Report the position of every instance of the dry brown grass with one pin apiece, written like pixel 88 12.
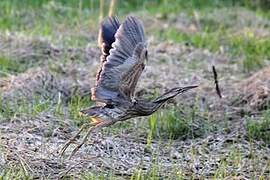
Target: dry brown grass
pixel 253 93
pixel 31 141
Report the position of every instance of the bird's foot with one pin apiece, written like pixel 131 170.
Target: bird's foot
pixel 98 125
pixel 71 140
pixel 84 140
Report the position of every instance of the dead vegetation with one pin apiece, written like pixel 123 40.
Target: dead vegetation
pixel 36 149
pixel 253 93
pixel 55 74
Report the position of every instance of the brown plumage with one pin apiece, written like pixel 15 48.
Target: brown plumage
pixel 124 51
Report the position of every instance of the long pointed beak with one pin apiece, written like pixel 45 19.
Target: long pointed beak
pixel 187 88
pixel 172 93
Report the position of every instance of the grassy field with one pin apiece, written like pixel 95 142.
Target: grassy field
pixel 48 61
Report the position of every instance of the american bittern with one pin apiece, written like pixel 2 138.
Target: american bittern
pixel 124 51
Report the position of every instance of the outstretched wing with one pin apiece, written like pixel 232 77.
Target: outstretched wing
pixel 106 37
pixel 124 64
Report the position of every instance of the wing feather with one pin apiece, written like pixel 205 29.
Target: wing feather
pixel 106 37
pixel 124 64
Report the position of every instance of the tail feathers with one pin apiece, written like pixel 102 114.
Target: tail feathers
pixel 172 93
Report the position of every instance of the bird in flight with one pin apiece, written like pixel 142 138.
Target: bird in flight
pixel 124 52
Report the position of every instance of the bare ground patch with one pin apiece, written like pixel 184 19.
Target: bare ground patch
pixel 36 149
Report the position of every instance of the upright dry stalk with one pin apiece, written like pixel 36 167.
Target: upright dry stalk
pixel 216 81
pixel 80 13
pixel 101 9
pixel 112 7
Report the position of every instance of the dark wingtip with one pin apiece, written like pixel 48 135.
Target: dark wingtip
pixel 108 29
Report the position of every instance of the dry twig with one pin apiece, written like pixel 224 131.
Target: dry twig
pixel 216 81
